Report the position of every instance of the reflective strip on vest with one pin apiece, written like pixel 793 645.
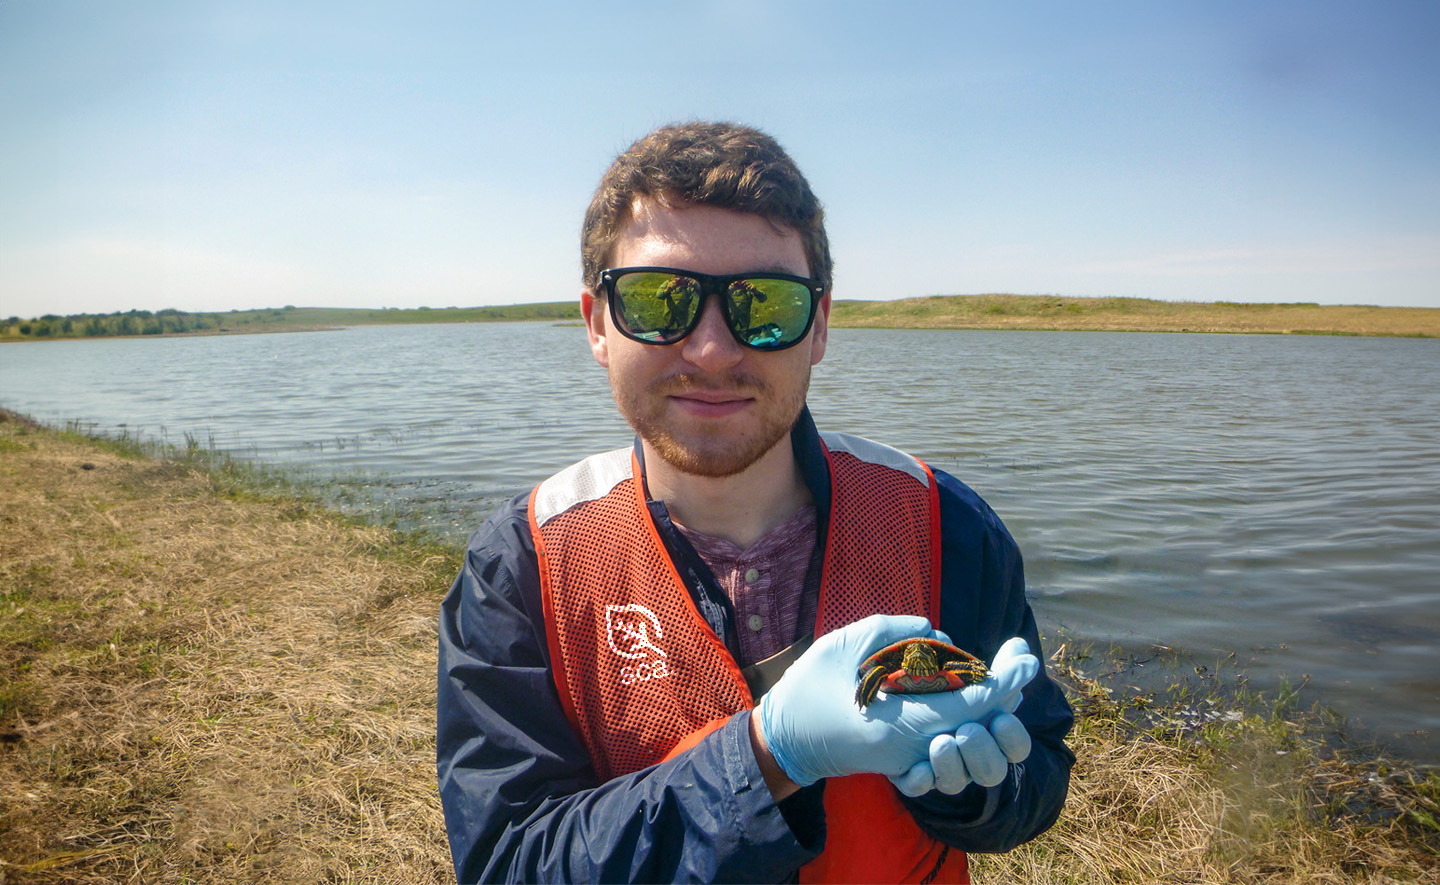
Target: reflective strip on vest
pixel 586 481
pixel 639 671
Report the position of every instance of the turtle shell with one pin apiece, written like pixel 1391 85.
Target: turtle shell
pixel 954 668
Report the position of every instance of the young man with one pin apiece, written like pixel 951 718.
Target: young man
pixel 609 634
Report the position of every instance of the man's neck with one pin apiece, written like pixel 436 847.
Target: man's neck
pixel 739 508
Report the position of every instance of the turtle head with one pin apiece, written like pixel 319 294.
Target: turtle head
pixel 920 660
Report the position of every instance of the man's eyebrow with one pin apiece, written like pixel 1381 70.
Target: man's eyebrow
pixel 773 268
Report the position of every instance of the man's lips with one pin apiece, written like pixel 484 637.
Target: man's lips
pixel 710 402
pixel 711 397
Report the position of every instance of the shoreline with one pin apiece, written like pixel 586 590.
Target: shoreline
pixel 994 312
pixel 205 676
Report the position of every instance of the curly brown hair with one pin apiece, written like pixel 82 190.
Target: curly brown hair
pixel 712 164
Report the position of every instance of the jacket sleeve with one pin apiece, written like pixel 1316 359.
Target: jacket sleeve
pixel 983 605
pixel 520 797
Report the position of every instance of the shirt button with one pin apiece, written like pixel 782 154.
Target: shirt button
pixel 756 622
pixel 751 577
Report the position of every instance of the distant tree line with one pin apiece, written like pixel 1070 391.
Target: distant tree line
pixel 91 325
pixel 270 319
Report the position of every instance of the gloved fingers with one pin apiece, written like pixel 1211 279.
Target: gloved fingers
pixel 1008 704
pixel 926 715
pixel 976 703
pixel 1011 736
pixel 868 635
pixel 950 774
pixel 984 760
pixel 1012 650
pixel 1012 668
pixel 918 781
pixel 1010 671
pixel 1011 703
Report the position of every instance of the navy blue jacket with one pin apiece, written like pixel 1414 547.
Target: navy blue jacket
pixel 522 802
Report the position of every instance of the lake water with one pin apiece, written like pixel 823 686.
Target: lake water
pixel 1275 497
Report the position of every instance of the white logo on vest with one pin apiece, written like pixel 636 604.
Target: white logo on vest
pixel 628 629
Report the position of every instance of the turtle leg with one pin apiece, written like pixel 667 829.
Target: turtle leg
pixel 970 672
pixel 869 685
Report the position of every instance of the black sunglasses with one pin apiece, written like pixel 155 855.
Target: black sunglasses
pixel 661 305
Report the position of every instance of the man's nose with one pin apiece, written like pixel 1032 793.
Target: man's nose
pixel 711 347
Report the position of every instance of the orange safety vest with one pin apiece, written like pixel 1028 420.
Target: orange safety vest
pixel 640 673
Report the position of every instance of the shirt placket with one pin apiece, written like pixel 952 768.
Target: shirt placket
pixel 755 606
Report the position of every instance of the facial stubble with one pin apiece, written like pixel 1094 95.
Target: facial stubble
pixel 686 445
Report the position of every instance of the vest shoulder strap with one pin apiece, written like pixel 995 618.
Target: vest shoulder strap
pixel 878 453
pixel 586 481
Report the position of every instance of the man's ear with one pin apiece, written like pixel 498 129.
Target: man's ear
pixel 594 311
pixel 820 330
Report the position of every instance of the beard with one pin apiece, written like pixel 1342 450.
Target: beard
pixel 711 448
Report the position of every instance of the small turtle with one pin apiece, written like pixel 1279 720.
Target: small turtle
pixel 917 666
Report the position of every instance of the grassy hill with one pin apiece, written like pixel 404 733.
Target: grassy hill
pixel 1053 312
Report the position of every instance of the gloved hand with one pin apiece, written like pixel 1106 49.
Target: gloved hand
pixel 812 726
pixel 980 751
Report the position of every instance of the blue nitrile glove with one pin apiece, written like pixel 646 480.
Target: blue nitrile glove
pixel 980 751
pixel 814 729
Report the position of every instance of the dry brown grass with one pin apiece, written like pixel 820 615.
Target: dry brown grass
pixel 1045 312
pixel 201 686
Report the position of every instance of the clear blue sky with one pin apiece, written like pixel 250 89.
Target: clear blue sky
pixel 210 155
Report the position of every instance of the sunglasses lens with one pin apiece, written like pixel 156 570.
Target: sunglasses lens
pixel 656 307
pixel 769 314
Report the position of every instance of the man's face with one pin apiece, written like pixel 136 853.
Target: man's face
pixel 706 405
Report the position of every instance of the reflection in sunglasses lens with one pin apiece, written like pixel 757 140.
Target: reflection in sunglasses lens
pixel 768 313
pixel 657 306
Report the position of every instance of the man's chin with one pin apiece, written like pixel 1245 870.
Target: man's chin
pixel 708 460
pixel 712 456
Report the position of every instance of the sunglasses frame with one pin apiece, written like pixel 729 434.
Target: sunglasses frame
pixel 710 284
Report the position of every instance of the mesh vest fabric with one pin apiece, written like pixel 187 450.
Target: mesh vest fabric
pixel 638 661
pixel 639 671
pixel 882 563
